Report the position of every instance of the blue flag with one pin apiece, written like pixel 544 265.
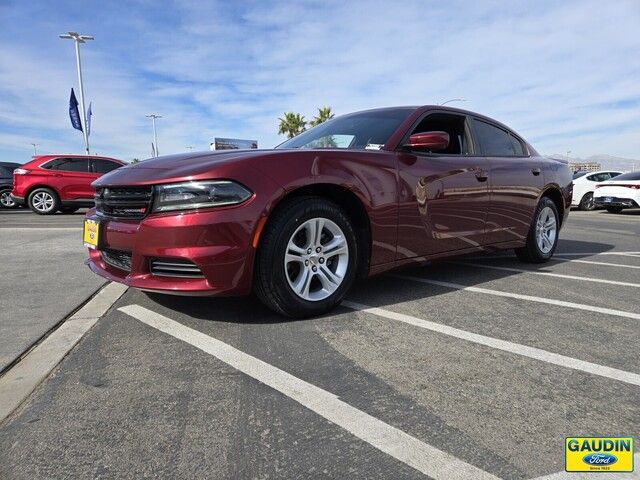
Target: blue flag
pixel 73 112
pixel 89 120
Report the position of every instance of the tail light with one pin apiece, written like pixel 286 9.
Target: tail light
pixel 20 171
pixel 635 187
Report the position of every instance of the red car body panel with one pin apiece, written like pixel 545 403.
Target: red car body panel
pixel 73 188
pixel 418 208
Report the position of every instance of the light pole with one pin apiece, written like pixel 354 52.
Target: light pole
pixel 568 152
pixel 35 152
pixel 453 100
pixel 153 117
pixel 80 39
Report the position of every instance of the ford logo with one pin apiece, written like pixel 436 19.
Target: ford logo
pixel 599 459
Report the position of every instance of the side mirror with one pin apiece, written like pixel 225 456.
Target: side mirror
pixel 428 141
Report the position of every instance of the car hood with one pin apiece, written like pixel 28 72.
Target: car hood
pixel 181 167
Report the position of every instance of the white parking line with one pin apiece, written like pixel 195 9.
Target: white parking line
pixel 604 264
pixel 504 345
pixel 386 438
pixel 548 274
pixel 24 229
pixel 519 296
pixel 569 254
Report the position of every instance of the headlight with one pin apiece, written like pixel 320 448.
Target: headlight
pixel 191 195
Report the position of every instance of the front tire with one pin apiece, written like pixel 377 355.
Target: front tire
pixel 43 201
pixel 542 238
pixel 5 199
pixel 587 202
pixel 307 258
pixel 614 209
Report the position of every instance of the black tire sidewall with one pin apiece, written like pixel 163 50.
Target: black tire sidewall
pixel 272 252
pixel 54 195
pixel 539 254
pixel 3 190
pixel 584 203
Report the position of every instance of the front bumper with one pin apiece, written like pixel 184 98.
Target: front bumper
pixel 17 200
pixel 217 241
pixel 615 202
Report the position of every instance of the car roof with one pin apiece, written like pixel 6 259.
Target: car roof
pixel 425 108
pixel 599 171
pixel 39 159
pixel 10 164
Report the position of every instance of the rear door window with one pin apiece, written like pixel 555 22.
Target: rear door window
pixel 517 146
pixel 103 166
pixel 69 165
pixel 494 141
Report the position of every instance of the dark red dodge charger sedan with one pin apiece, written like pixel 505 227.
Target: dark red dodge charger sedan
pixel 355 196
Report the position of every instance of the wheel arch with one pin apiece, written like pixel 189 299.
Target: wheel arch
pixel 554 193
pixel 346 199
pixel 40 185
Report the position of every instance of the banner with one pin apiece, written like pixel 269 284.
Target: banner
pixel 74 115
pixel 89 120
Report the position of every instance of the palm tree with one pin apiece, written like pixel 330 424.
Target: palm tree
pixel 324 114
pixel 292 124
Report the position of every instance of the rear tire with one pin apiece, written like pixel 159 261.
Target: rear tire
pixel 542 239
pixel 43 201
pixel 5 199
pixel 614 209
pixel 307 258
pixel 69 210
pixel 587 202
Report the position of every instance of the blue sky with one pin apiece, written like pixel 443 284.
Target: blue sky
pixel 566 75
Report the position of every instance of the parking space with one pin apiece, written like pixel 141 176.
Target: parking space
pixel 43 277
pixel 473 368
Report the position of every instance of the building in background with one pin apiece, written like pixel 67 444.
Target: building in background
pixel 232 144
pixel 585 166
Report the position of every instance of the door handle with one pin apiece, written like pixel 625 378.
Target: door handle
pixel 481 175
pixel 536 171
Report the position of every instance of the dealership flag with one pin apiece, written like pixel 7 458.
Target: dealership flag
pixel 73 112
pixel 153 150
pixel 89 120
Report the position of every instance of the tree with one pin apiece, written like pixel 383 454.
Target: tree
pixel 324 114
pixel 292 124
pixel 135 160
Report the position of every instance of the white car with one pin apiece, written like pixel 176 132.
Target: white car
pixel 620 192
pixel 584 184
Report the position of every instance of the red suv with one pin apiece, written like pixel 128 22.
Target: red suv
pixel 49 183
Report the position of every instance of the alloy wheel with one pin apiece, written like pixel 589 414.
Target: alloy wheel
pixel 5 200
pixel 42 201
pixel 316 259
pixel 546 230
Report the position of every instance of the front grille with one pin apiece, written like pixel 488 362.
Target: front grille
pixel 123 202
pixel 118 259
pixel 174 268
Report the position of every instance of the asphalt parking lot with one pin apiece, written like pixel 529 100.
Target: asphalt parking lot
pixel 474 368
pixel 42 277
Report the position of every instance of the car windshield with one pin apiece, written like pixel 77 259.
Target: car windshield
pixel 628 176
pixel 368 130
pixel 579 174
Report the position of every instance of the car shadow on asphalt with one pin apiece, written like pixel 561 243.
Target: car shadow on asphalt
pixel 378 291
